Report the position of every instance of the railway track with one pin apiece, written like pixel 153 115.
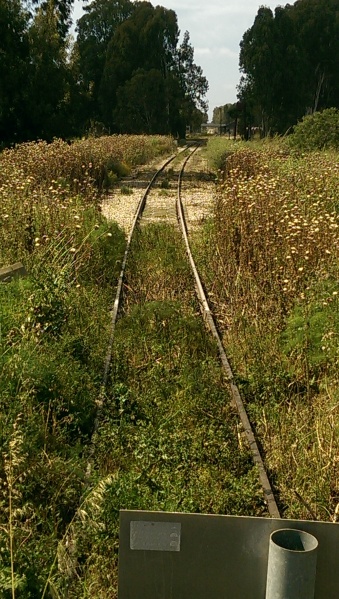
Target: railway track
pixel 161 208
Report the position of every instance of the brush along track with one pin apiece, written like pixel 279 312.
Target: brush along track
pixel 161 208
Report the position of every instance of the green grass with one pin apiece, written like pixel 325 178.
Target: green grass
pixel 125 190
pixel 168 439
pixel 54 335
pixel 269 258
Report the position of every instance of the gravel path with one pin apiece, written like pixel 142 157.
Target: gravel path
pixel 197 191
pixel 121 203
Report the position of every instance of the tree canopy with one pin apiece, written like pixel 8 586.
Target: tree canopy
pixel 140 46
pixel 124 72
pixel 290 60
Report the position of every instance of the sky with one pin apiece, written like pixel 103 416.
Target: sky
pixel 216 28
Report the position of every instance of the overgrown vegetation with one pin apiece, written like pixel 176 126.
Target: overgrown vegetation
pixel 52 191
pixel 319 131
pixel 54 329
pixel 168 438
pixel 271 257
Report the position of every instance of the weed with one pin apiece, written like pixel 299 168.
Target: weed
pixel 168 434
pixel 271 263
pixel 126 190
pixel 165 184
pixel 54 330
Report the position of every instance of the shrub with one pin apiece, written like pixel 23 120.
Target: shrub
pixel 317 131
pixel 270 259
pixel 312 329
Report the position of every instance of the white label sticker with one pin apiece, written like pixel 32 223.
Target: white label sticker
pixel 155 536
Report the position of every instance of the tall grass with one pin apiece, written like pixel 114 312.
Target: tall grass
pixel 273 246
pixel 169 438
pixel 49 189
pixel 54 330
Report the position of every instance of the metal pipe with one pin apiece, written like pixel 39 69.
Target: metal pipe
pixel 292 560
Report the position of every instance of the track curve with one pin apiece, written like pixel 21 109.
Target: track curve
pixel 210 323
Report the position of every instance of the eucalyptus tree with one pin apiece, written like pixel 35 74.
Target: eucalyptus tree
pixel 62 10
pixel 290 61
pixel 317 22
pixel 141 103
pixel 148 42
pixel 34 69
pixel 190 75
pixel 47 105
pixel 14 62
pixel 95 30
pixel 258 65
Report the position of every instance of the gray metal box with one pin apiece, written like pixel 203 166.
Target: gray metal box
pixel 211 557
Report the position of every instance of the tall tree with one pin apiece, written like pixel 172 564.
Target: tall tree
pixel 290 61
pixel 257 64
pixel 95 30
pixel 62 10
pixel 221 114
pixel 318 29
pixel 193 82
pixel 49 75
pixel 121 48
pixel 14 63
pixel 141 103
pixel 146 40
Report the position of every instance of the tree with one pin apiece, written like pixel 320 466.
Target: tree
pixel 126 55
pixel 62 10
pixel 290 61
pixel 193 83
pixel 146 40
pixel 119 45
pixel 95 30
pixel 256 62
pixel 318 29
pixel 221 114
pixel 46 106
pixel 141 103
pixel 34 71
pixel 14 62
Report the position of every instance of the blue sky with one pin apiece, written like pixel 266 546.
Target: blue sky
pixel 216 28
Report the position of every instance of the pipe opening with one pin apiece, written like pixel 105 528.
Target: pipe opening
pixel 292 562
pixel 294 540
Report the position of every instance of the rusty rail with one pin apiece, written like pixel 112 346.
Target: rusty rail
pixel 235 394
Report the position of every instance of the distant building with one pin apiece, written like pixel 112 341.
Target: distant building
pixel 214 128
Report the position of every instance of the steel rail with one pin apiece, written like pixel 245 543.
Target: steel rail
pixel 268 493
pixel 108 358
pixel 100 401
pixel 209 320
pixel 235 394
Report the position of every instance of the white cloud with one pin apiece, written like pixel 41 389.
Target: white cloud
pixel 202 51
pixel 215 51
pixel 227 52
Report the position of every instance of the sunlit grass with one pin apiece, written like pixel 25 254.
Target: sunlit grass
pixel 273 265
pixel 48 189
pixel 54 332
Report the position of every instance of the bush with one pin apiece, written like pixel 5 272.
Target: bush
pixel 317 131
pixel 218 148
